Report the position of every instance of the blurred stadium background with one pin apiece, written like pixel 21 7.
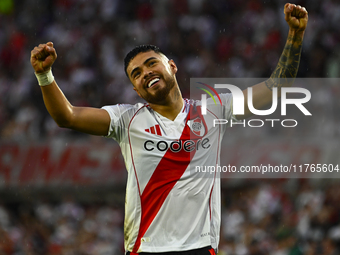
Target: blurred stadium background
pixel 62 192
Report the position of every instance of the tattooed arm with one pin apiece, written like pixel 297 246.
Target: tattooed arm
pixel 287 67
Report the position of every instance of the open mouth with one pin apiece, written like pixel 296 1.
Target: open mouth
pixel 152 82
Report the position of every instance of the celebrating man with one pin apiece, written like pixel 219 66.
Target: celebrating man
pixel 169 207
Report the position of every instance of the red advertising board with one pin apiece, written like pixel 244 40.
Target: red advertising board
pixel 58 163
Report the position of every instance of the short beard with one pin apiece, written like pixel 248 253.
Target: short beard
pixel 161 94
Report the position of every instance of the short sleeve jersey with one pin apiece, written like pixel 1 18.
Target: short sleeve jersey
pixel 170 205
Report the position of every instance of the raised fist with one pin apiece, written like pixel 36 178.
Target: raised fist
pixel 296 17
pixel 42 57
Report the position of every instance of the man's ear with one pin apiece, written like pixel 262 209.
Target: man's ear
pixel 173 66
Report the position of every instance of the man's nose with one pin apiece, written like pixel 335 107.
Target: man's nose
pixel 147 73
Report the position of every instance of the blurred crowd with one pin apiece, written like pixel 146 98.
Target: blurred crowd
pixel 205 38
pixel 61 228
pixel 274 217
pixel 281 218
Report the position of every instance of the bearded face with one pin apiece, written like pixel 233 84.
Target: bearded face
pixel 160 93
pixel 153 76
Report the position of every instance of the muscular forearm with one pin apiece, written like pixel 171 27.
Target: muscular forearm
pixel 288 65
pixel 57 104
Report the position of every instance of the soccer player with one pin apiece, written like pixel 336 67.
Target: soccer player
pixel 170 208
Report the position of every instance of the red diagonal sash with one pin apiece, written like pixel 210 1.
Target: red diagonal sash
pixel 167 173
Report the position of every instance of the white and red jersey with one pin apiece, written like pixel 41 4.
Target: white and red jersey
pixel 170 206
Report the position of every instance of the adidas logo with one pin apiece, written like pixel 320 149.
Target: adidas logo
pixel 156 130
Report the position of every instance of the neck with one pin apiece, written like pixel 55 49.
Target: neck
pixel 172 105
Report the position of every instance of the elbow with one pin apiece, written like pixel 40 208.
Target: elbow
pixel 62 125
pixel 63 122
pixel 63 119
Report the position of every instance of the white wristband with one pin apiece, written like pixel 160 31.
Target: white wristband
pixel 45 78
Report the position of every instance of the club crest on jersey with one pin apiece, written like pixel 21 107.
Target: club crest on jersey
pixel 196 126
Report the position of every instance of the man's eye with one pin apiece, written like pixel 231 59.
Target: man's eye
pixel 152 63
pixel 137 75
